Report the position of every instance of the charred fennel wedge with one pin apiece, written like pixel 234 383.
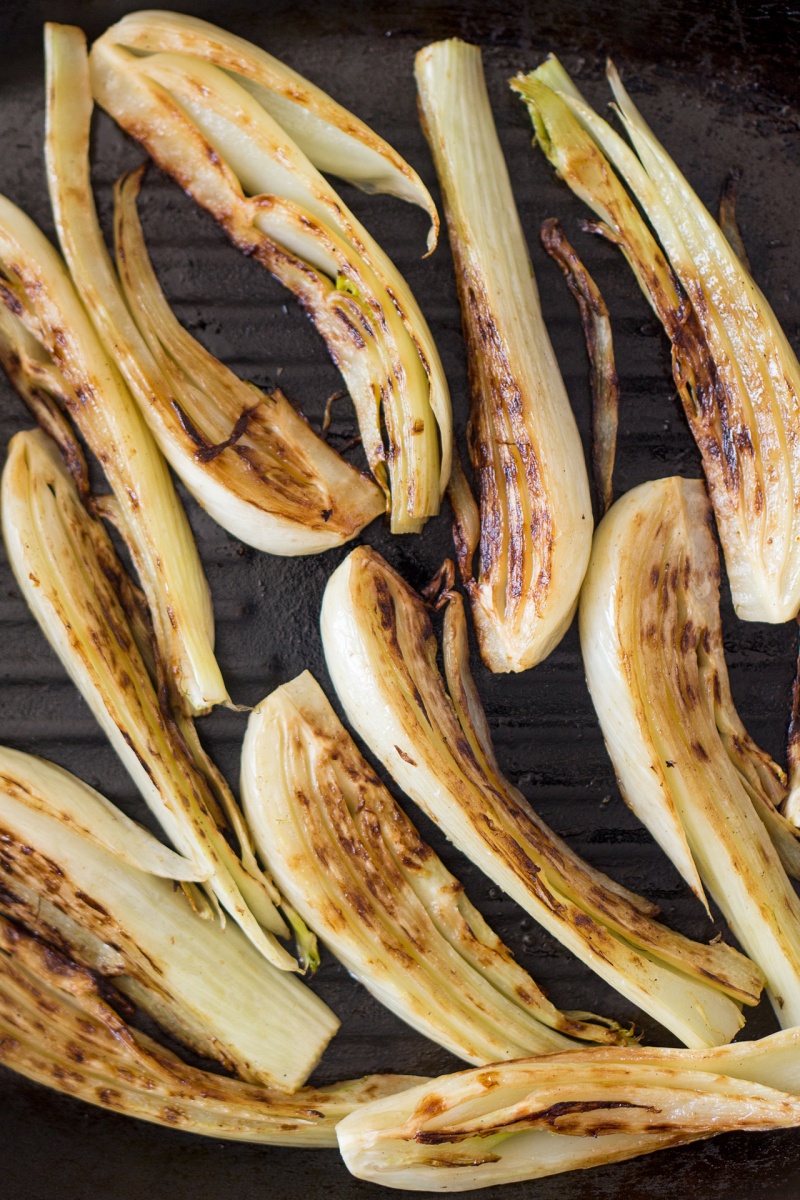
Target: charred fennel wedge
pixel 247 457
pixel 381 655
pixel 54 358
pixel 535 524
pixel 81 875
pixel 200 103
pixel 76 587
pixel 566 1112
pixel 652 646
pixel 359 874
pixel 58 1028
pixel 738 378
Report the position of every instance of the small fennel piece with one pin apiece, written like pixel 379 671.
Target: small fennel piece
pixel 200 103
pixel 123 1069
pixel 535 528
pixel 64 363
pixel 83 876
pixel 381 654
pixel 738 378
pixel 358 873
pixel 69 574
pixel 566 1112
pixel 247 457
pixel 600 348
pixel 652 647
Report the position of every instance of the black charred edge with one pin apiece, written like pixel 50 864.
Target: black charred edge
pixel 189 428
pixel 546 1116
pixel 439 592
pixel 207 453
pixel 603 372
pixel 727 216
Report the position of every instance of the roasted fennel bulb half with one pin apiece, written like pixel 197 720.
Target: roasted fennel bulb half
pixel 56 361
pixel 247 457
pixel 245 137
pixel 433 739
pixel 351 863
pixel 737 376
pixel 652 646
pixel 534 527
pixel 59 1028
pixel 565 1112
pixel 75 586
pixel 81 875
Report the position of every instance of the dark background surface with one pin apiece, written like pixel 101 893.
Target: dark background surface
pixel 719 88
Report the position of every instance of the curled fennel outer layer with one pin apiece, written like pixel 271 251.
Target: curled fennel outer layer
pixel 222 118
pixel 246 456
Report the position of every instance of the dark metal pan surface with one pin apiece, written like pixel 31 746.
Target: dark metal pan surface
pixel 718 84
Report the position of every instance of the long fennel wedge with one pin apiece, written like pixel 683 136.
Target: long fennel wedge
pixel 54 357
pixel 535 522
pixel 737 375
pixel 652 647
pixel 200 103
pixel 247 457
pixel 381 654
pixel 69 574
pixel 102 889
pixel 359 874
pixel 566 1112
pixel 86 1049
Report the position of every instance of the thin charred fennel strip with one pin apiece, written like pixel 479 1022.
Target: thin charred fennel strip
pixel 38 296
pixel 58 1028
pixel 333 139
pixel 381 655
pixel 81 875
pixel 652 646
pixel 600 348
pixel 566 1112
pixel 526 454
pixel 215 138
pixel 247 457
pixel 738 378
pixel 72 580
pixel 357 871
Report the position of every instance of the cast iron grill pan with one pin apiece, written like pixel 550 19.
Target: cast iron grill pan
pixel 717 88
